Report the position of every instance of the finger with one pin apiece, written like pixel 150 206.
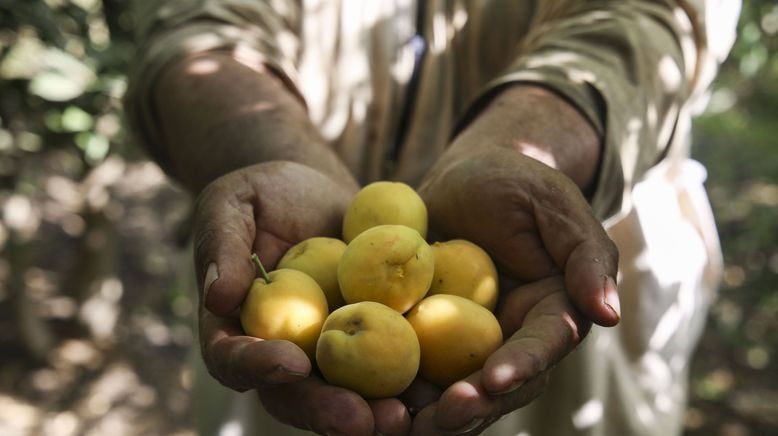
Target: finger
pixel 312 404
pixel 390 416
pixel 270 248
pixel 424 422
pixel 590 278
pixel 582 249
pixel 518 302
pixel 419 395
pixel 243 362
pixel 224 234
pixel 517 372
pixel 549 332
pixel 524 255
pixel 465 408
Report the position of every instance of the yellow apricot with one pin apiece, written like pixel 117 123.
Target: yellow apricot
pixel 318 257
pixel 389 264
pixel 385 202
pixel 291 306
pixel 369 348
pixel 456 336
pixel 465 269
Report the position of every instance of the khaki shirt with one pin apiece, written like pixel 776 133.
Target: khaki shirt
pixel 388 82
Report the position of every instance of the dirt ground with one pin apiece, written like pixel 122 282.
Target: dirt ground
pixel 95 307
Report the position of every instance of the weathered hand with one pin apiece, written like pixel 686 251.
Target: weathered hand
pixel 541 327
pixel 530 217
pixel 266 208
pixel 539 229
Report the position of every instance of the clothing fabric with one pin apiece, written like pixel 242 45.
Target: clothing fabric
pixel 389 82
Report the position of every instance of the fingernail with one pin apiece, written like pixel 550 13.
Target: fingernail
pixel 470 426
pixel 612 297
pixel 211 274
pixel 287 371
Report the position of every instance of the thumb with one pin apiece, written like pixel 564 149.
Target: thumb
pixel 582 249
pixel 224 232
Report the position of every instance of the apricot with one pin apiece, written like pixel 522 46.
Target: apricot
pixel 465 269
pixel 456 336
pixel 318 257
pixel 389 264
pixel 285 304
pixel 385 202
pixel 369 348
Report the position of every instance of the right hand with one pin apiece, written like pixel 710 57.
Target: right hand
pixel 539 229
pixel 267 208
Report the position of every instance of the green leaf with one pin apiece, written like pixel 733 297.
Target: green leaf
pixel 23 59
pixel 75 119
pixel 62 78
pixel 53 86
pixel 95 146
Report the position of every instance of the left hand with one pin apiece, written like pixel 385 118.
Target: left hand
pixel 266 208
pixel 540 230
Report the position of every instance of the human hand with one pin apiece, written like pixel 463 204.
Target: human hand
pixel 267 208
pixel 541 327
pixel 539 229
pixel 530 217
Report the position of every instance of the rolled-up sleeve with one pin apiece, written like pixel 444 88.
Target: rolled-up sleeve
pixel 260 32
pixel 634 68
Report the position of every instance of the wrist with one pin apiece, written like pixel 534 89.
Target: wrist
pixel 540 124
pixel 218 114
pixel 256 139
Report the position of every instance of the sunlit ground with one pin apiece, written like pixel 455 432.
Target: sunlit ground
pixel 94 302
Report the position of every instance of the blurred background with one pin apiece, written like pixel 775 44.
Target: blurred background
pixel 95 308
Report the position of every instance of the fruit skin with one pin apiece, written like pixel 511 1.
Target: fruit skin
pixel 318 257
pixel 291 307
pixel 369 348
pixel 389 264
pixel 465 269
pixel 456 336
pixel 385 202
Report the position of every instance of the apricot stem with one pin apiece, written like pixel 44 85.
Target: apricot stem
pixel 256 260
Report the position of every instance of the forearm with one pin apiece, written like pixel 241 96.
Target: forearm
pixel 633 67
pixel 217 114
pixel 540 124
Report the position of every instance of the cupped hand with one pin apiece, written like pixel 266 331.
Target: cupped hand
pixel 531 218
pixel 267 208
pixel 541 232
pixel 542 327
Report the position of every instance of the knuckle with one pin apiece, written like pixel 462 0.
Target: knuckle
pixel 206 197
pixel 222 363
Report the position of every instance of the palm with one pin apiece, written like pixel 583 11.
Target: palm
pixel 512 206
pixel 271 207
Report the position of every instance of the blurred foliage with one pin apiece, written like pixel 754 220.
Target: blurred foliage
pixel 62 76
pixel 91 277
pixel 734 390
pixel 72 184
